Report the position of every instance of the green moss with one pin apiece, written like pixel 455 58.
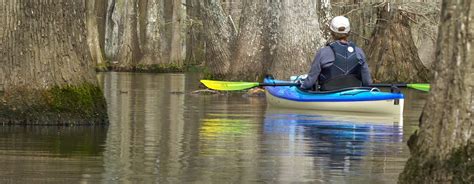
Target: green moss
pixel 458 168
pixel 86 99
pixel 68 105
pixel 103 67
pixel 462 164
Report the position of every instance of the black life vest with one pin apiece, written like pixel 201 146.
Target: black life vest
pixel 345 70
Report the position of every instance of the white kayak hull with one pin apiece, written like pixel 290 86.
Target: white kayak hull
pixel 389 106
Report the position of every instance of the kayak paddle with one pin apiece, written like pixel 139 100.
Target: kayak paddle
pixel 233 86
pixel 421 87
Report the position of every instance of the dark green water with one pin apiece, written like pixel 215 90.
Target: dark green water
pixel 160 132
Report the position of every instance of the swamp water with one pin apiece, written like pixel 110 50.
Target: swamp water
pixel 160 132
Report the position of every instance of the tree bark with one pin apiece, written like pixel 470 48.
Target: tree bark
pixel 94 19
pixel 247 63
pixel 177 50
pixel 442 150
pixel 219 36
pixel 46 67
pixel 151 25
pixel 392 55
pixel 297 41
pixel 194 38
pixel 233 8
pixel 324 16
pixel 122 45
pixel 173 26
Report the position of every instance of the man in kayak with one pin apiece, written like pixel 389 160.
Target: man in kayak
pixel 341 64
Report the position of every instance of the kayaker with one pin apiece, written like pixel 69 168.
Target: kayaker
pixel 340 64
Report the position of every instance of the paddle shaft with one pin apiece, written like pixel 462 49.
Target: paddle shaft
pixel 388 85
pixel 279 84
pixel 296 84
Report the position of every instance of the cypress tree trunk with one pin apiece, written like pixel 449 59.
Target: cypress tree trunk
pixel 146 35
pixel 120 32
pixel 94 19
pixel 194 40
pixel 177 38
pixel 298 38
pixel 173 38
pixel 392 55
pixel 151 23
pixel 219 36
pixel 248 62
pixel 442 150
pixel 46 68
pixel 324 16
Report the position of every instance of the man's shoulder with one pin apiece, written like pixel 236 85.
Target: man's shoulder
pixel 326 49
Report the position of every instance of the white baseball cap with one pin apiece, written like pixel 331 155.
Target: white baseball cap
pixel 340 24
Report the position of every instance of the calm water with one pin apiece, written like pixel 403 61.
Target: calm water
pixel 160 132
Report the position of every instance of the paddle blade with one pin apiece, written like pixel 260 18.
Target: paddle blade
pixel 228 86
pixel 421 87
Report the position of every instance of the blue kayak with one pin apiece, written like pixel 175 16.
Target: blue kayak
pixel 370 100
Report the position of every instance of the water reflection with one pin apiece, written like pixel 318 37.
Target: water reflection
pixel 146 114
pixel 336 145
pixel 160 133
pixel 51 154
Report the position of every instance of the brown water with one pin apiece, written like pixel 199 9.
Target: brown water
pixel 161 133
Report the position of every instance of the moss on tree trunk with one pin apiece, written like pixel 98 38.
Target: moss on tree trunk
pixel 69 105
pixel 457 168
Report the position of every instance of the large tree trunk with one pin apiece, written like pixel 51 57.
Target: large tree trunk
pixel 234 9
pixel 146 35
pixel 443 148
pixel 297 41
pixel 177 39
pixel 324 17
pixel 129 52
pixel 94 19
pixel 46 67
pixel 151 22
pixel 247 63
pixel 195 43
pixel 194 40
pixel 219 36
pixel 173 39
pixel 392 55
